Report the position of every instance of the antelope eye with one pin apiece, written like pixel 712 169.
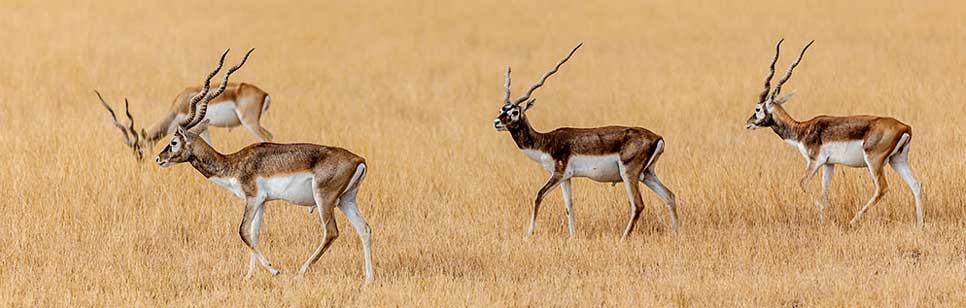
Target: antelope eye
pixel 174 142
pixel 514 113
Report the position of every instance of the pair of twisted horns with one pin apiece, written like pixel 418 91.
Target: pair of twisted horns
pixel 131 136
pixel 199 102
pixel 535 86
pixel 771 73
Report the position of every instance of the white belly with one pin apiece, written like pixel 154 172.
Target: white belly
pixel 222 114
pixel 605 168
pixel 295 188
pixel 848 153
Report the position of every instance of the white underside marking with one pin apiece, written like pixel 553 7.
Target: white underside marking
pixel 848 153
pixel 801 148
pixel 295 188
pixel 541 158
pixel 231 184
pixel 222 114
pixel 603 168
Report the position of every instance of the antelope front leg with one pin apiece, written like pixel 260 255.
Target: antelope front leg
pixel 249 229
pixel 827 171
pixel 810 171
pixel 569 204
pixel 554 180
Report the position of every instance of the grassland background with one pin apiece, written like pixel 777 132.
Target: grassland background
pixel 413 87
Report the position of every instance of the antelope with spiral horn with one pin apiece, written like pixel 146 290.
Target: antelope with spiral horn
pixel 826 141
pixel 309 175
pixel 608 154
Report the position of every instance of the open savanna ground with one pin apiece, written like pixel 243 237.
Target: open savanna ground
pixel 414 86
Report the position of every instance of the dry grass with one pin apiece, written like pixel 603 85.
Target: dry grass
pixel 414 87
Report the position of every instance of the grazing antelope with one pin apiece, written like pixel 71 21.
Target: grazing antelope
pixel 603 154
pixel 305 174
pixel 826 141
pixel 241 104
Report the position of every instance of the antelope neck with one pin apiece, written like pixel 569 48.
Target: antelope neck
pixel 209 162
pixel 525 136
pixel 784 125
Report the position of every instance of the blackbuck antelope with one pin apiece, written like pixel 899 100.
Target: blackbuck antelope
pixel 604 154
pixel 826 141
pixel 241 104
pixel 305 174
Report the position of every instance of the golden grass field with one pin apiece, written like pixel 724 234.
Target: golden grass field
pixel 414 87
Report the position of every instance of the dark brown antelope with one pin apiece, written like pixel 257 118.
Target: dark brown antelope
pixel 241 104
pixel 604 154
pixel 304 174
pixel 825 141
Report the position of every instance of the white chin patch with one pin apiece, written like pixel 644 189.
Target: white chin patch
pixel 751 126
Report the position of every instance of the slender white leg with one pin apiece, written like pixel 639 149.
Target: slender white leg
pixel 254 242
pixel 651 180
pixel 827 171
pixel 900 163
pixel 348 205
pixel 251 224
pixel 569 204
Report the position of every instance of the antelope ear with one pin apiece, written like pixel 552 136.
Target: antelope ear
pixel 785 98
pixel 200 127
pixel 529 104
pixel 181 132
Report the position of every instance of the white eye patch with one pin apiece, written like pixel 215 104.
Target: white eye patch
pixel 759 111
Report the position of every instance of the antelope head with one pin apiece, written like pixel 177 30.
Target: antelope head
pixel 186 140
pixel 133 138
pixel 767 100
pixel 512 114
